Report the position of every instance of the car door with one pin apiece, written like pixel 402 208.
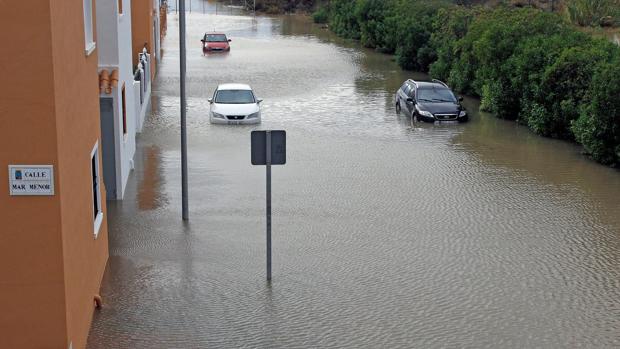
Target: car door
pixel 400 95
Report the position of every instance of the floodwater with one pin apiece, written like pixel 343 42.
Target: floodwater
pixel 385 234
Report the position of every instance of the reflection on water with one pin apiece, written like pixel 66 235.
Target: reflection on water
pixel 387 234
pixel 150 196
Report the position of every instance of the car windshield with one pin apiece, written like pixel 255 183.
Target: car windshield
pixel 437 95
pixel 234 97
pixel 215 38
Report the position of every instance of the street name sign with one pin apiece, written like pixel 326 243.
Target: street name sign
pixel 31 180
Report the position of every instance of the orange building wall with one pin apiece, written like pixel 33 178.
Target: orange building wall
pixel 142 30
pixel 78 129
pixel 50 263
pixel 32 299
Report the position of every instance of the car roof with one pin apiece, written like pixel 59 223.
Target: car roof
pixel 214 33
pixel 234 87
pixel 429 84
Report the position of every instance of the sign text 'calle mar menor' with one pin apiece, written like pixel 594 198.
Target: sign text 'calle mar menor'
pixel 31 180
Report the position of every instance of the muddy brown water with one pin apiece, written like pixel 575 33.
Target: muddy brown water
pixel 386 234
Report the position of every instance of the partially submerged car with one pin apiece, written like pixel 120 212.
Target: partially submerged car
pixel 234 104
pixel 429 101
pixel 215 42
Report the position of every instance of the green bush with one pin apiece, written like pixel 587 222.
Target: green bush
pixel 563 89
pixel 342 18
pixel 370 15
pixel 321 15
pixel 598 126
pixel 449 26
pixel 527 67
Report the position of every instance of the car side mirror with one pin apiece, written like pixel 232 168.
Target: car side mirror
pixel 210 100
pixel 229 40
pixel 409 99
pixel 460 98
pixel 202 40
pixel 259 101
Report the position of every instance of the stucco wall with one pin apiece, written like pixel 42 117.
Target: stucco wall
pixel 142 28
pixel 107 42
pixel 32 289
pixel 126 76
pixel 117 28
pixel 78 130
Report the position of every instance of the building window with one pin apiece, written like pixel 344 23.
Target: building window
pixel 124 107
pixel 96 189
pixel 88 27
pixel 120 7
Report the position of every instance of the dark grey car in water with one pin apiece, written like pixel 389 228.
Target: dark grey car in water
pixel 429 101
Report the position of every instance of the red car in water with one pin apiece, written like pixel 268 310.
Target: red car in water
pixel 215 42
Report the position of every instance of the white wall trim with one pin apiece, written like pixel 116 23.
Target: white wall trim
pixel 90 48
pixel 99 218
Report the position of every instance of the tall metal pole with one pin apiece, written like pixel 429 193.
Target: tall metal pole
pixel 268 146
pixel 183 111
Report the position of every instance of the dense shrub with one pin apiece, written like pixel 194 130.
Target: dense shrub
pixel 370 14
pixel 598 126
pixel 342 18
pixel 525 64
pixel 534 54
pixel 321 15
pixel 563 90
pixel 449 26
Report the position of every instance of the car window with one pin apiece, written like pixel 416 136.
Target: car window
pixel 411 92
pixel 436 95
pixel 406 89
pixel 234 97
pixel 215 38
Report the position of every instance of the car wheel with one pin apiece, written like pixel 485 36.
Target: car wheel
pixel 398 109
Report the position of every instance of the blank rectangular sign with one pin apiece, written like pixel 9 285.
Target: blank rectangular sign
pixel 278 147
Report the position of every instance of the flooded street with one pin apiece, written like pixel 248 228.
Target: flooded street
pixel 385 234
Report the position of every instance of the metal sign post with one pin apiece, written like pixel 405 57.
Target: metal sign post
pixel 268 166
pixel 184 188
pixel 268 148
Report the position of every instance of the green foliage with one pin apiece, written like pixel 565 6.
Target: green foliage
pixel 563 90
pixel 342 18
pixel 598 126
pixel 321 15
pixel 449 26
pixel 491 41
pixel 370 15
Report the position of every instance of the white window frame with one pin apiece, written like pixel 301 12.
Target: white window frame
pixel 89 31
pixel 94 154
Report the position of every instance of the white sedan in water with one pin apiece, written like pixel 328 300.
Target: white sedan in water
pixel 234 104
